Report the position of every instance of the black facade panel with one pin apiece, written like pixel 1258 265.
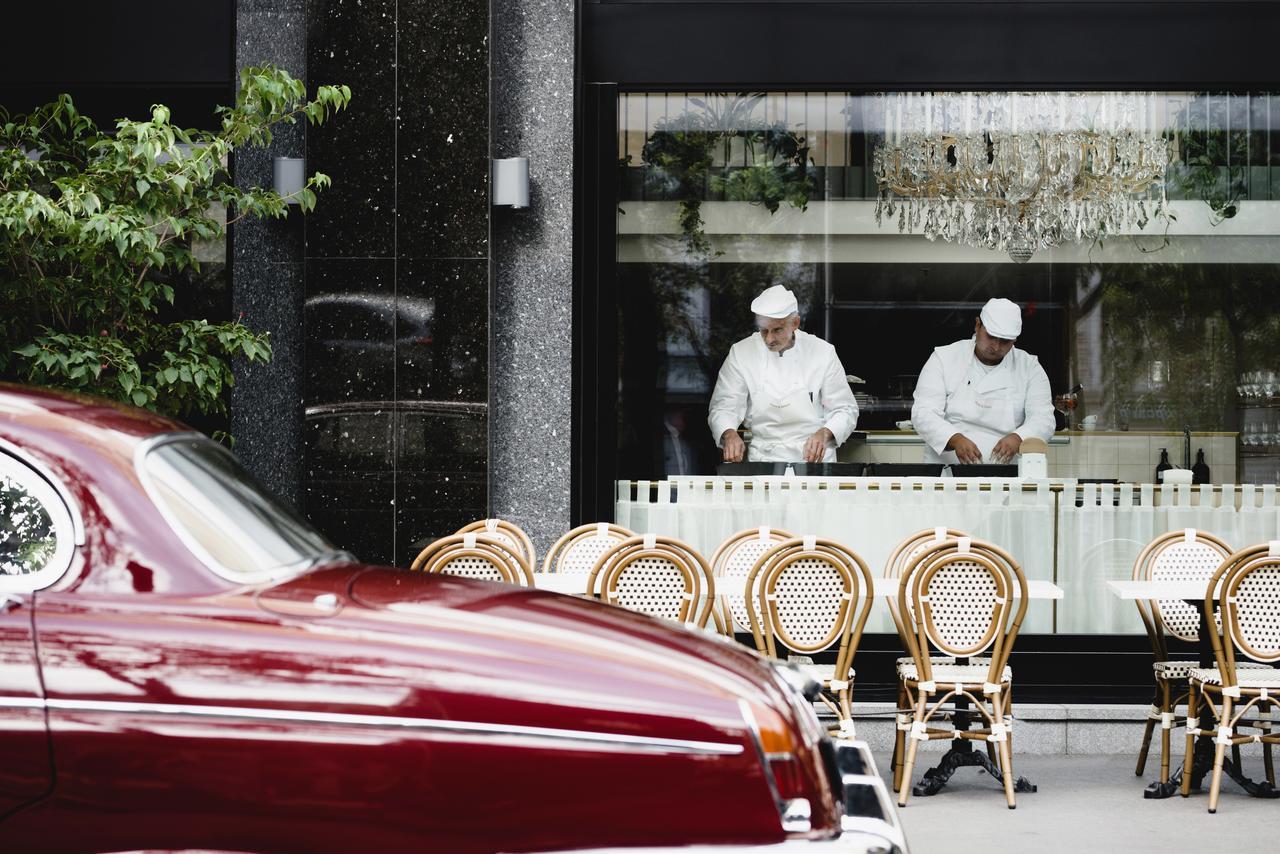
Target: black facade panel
pixel 356 46
pixel 443 135
pixel 953 45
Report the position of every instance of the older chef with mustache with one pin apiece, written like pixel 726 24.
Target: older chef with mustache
pixel 980 398
pixel 786 385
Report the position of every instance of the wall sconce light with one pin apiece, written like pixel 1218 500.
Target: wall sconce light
pixel 289 176
pixel 511 182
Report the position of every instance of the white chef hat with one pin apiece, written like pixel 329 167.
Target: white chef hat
pixel 775 302
pixel 1002 318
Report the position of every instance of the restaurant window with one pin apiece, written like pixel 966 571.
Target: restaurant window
pixel 1154 289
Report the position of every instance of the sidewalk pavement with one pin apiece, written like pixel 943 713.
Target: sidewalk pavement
pixel 1086 804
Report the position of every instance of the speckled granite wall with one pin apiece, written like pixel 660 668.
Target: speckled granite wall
pixel 267 272
pixel 408 220
pixel 533 263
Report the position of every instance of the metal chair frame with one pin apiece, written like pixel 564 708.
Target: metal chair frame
pixel 1243 610
pixel 1153 563
pixel 509 566
pixel 563 555
pixel 773 620
pixel 510 533
pixel 737 556
pixel 999 618
pixel 608 580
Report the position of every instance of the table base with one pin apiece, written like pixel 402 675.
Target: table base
pixel 963 755
pixel 1202 764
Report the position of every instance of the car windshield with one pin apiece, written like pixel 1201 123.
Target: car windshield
pixel 230 521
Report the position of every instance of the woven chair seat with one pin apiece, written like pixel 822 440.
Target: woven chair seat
pixel 1267 677
pixel 965 674
pixel 1173 669
pixel 935 660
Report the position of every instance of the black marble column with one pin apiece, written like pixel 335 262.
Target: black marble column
pixel 396 318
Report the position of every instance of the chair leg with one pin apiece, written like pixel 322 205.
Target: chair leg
pixel 1264 725
pixel 912 743
pixel 1146 742
pixel 1006 760
pixel 897 737
pixel 1219 754
pixel 846 713
pixel 1008 721
pixel 1193 720
pixel 1166 728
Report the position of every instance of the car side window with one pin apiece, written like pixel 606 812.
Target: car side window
pixel 36 534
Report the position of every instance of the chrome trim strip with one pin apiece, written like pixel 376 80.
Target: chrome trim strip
pixel 21 703
pixel 619 740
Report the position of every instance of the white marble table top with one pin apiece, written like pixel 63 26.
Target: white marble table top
pixel 1129 589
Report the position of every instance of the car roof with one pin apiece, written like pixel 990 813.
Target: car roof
pixel 68 412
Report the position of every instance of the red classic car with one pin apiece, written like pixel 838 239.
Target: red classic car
pixel 184 663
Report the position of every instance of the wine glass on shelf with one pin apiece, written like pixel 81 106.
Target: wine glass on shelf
pixel 1268 384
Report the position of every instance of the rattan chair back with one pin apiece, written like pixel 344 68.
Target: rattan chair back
pixel 655 575
pixel 907 550
pixel 1186 555
pixel 811 594
pixel 508 533
pixel 474 555
pixel 578 550
pixel 1246 590
pixel 967 597
pixel 735 558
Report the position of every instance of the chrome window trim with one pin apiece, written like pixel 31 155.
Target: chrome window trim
pixel 580 737
pixel 38 486
pixel 210 562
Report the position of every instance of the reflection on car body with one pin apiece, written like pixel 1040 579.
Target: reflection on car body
pixel 433 454
pixel 189 665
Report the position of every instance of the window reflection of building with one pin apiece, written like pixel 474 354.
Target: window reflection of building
pixel 1158 325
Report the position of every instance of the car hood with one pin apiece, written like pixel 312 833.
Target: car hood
pixel 506 653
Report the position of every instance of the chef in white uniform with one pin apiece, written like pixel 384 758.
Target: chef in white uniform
pixel 787 386
pixel 978 399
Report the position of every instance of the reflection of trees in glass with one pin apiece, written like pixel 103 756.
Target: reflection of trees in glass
pixel 681 154
pixel 26 531
pixel 1212 149
pixel 1176 337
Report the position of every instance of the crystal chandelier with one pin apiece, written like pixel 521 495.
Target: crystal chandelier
pixel 1020 171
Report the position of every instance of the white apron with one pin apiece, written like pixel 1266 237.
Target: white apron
pixel 982 409
pixel 784 413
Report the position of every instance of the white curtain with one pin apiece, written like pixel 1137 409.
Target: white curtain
pixel 868 515
pixel 1100 539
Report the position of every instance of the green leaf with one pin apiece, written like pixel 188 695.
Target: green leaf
pixel 139 398
pixel 143 185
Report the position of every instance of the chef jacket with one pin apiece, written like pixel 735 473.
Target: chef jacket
pixel 784 398
pixel 956 393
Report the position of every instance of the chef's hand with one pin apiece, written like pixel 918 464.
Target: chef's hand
pixel 1006 448
pixel 966 451
pixel 733 446
pixel 815 447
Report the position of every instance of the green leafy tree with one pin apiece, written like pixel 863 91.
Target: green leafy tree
pixel 97 227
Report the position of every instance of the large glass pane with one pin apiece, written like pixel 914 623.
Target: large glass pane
pixel 1136 231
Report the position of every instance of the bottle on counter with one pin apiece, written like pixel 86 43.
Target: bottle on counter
pixel 1200 471
pixel 1163 466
